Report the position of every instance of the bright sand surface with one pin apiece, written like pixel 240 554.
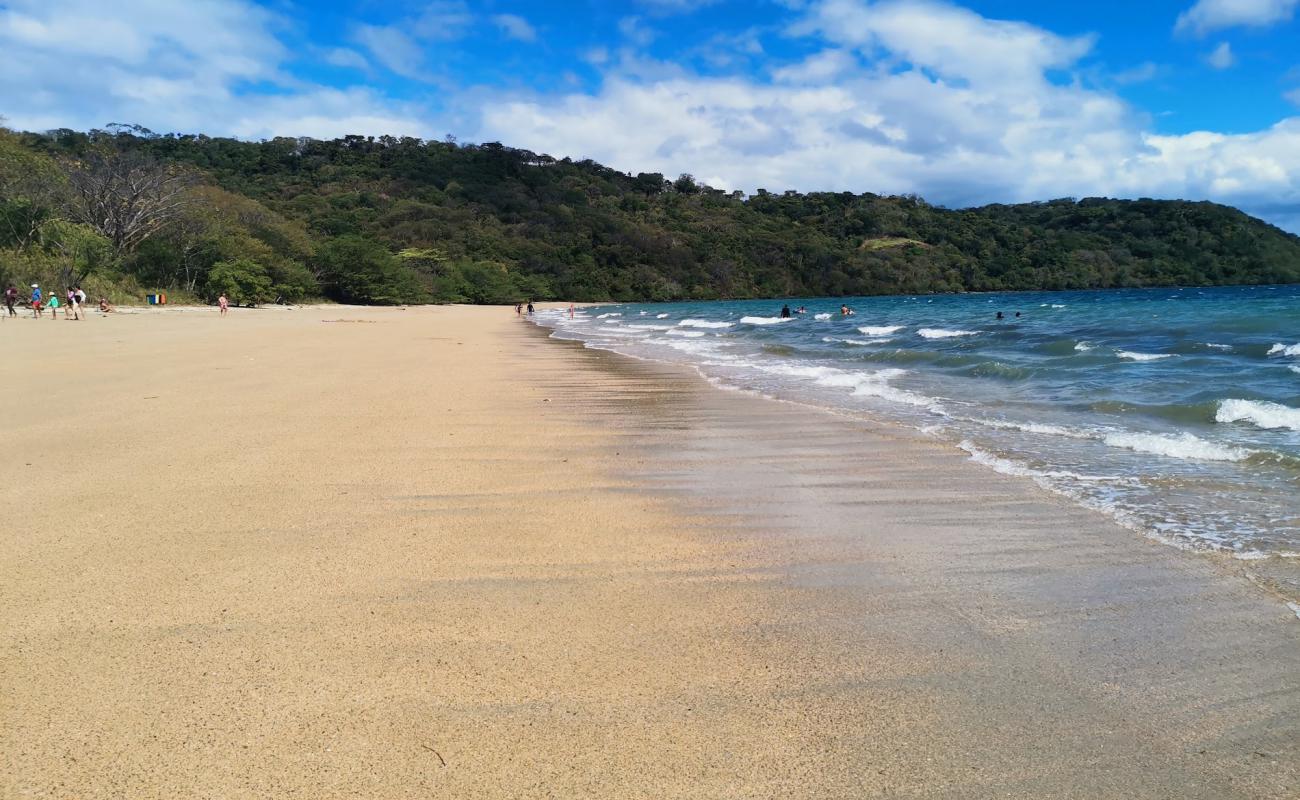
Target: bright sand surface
pixel 339 552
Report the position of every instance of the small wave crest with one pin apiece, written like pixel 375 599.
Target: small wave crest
pixel 1183 445
pixel 821 317
pixel 942 333
pixel 609 314
pixel 765 320
pixel 704 323
pixel 879 330
pixel 1259 413
pixel 1284 350
pixel 1131 356
pixel 661 316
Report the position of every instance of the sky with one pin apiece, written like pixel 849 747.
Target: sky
pixel 963 103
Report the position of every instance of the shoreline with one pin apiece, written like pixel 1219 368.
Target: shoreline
pixel 443 553
pixel 1277 576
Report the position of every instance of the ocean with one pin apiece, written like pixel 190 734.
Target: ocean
pixel 1175 411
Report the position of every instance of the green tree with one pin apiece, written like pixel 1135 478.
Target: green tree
pixel 243 281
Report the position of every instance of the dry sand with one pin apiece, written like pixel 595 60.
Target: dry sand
pixel 337 552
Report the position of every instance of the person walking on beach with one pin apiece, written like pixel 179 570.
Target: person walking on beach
pixel 530 308
pixel 73 311
pixel 36 301
pixel 519 309
pixel 223 304
pixel 11 299
pixel 54 305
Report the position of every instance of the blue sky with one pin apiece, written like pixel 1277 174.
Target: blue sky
pixel 963 103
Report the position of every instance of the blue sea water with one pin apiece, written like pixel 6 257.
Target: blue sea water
pixel 1177 411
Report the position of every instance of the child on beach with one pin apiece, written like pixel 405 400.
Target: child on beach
pixel 54 305
pixel 223 303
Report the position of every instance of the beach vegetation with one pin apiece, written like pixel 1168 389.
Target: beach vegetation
pixel 395 220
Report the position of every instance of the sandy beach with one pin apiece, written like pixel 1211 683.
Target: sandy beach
pixel 429 552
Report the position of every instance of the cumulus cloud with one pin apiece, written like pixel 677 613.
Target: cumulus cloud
pixel 187 67
pixel 1207 16
pixel 907 97
pixel 515 27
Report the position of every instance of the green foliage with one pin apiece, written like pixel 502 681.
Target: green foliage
pixel 389 220
pixel 361 270
pixel 243 281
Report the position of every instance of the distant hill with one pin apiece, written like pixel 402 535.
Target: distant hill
pixel 394 220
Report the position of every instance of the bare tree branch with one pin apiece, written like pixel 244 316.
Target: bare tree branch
pixel 127 196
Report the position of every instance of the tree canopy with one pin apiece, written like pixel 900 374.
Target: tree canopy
pixel 390 220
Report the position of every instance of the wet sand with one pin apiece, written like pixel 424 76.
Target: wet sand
pixel 337 552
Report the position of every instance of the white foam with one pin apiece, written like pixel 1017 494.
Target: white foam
pixel 821 316
pixel 1184 445
pixel 1007 466
pixel 940 333
pixel 650 327
pixel 1214 346
pixel 1295 369
pixel 1131 356
pixel 661 316
pixel 609 314
pixel 688 334
pixel 856 342
pixel 1034 427
pixel 765 320
pixel 1083 347
pixel 1259 413
pixel 704 323
pixel 1056 306
pixel 1284 350
pixel 879 330
pixel 863 384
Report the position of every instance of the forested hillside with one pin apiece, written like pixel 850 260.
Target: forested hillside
pixel 384 220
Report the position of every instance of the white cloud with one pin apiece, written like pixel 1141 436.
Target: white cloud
pixel 344 57
pixel 183 67
pixel 1293 96
pixel 1147 70
pixel 442 20
pixel 818 67
pixel 1221 57
pixel 937 100
pixel 394 49
pixel 636 31
pixel 515 27
pixel 665 7
pixel 1207 16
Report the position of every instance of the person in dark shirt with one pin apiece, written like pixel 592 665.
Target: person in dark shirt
pixel 785 311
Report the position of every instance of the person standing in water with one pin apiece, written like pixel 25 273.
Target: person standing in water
pixel 785 312
pixel 530 308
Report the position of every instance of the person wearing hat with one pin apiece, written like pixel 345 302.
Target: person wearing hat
pixel 36 300
pixel 53 304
